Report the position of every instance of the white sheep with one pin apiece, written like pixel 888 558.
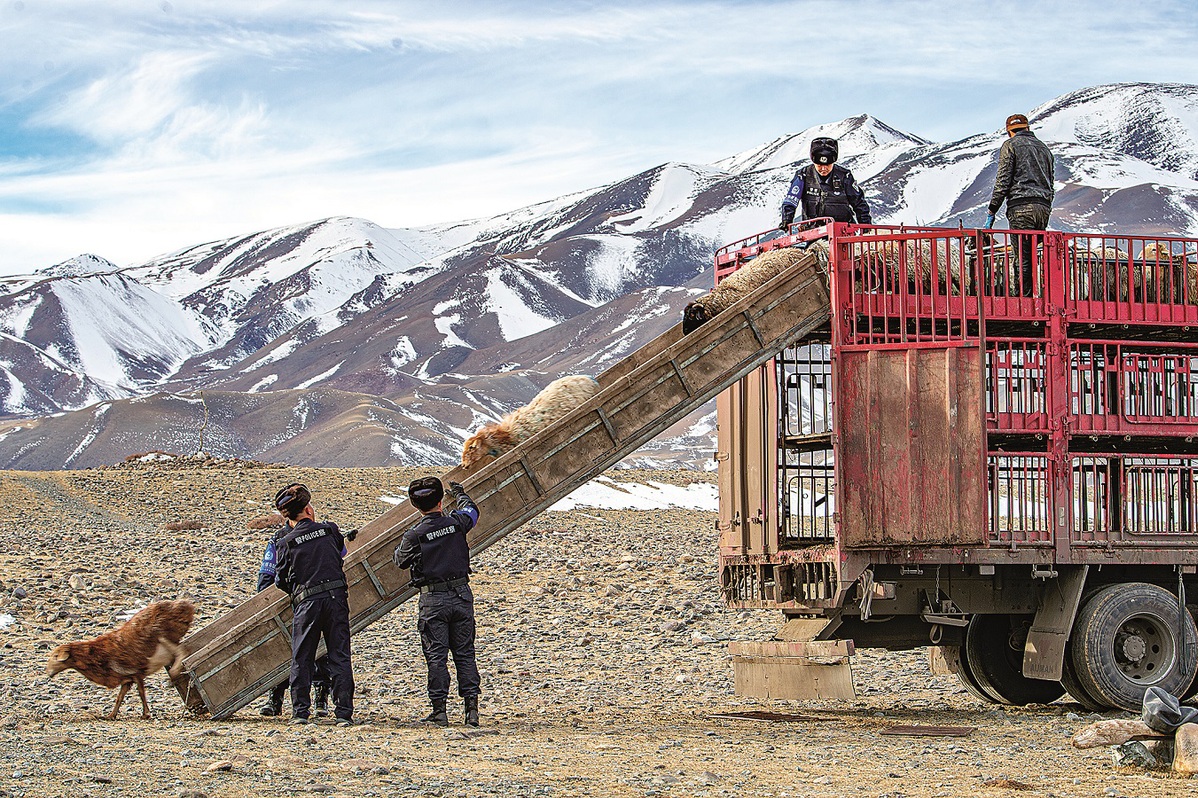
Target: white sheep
pixel 555 401
pixel 745 281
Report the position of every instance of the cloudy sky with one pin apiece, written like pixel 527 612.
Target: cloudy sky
pixel 129 128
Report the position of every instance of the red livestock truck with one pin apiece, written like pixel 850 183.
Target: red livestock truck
pixel 989 448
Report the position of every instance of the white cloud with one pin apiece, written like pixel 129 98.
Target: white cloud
pixel 131 128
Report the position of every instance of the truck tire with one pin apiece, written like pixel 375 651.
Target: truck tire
pixel 1072 686
pixel 956 663
pixel 994 653
pixel 1126 639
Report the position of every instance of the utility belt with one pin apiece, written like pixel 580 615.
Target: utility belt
pixel 303 594
pixel 446 586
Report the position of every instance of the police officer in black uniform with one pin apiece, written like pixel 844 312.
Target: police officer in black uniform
pixel 436 551
pixel 309 567
pixel 825 188
pixel 320 676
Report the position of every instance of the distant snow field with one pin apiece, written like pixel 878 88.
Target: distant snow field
pixel 605 493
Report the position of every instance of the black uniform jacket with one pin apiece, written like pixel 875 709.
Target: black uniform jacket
pixel 308 555
pixel 435 547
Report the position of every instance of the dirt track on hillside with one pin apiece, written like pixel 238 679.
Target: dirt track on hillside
pixel 602 644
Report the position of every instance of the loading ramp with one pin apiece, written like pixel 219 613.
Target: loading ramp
pixel 243 653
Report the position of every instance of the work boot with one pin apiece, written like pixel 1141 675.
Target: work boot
pixel 472 710
pixel 320 706
pixel 438 715
pixel 271 709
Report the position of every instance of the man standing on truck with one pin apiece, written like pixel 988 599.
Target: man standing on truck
pixel 1025 182
pixel 436 551
pixel 825 188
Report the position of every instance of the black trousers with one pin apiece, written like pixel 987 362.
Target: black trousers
pixel 325 616
pixel 446 624
pixel 1026 217
pixel 320 676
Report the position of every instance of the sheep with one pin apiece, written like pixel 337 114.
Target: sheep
pixel 127 655
pixel 743 282
pixel 884 260
pixel 555 401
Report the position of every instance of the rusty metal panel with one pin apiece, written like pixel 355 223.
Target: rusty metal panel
pixel 233 659
pixel 748 455
pixel 911 447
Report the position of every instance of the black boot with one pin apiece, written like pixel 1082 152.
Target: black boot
pixel 272 708
pixel 472 710
pixel 438 715
pixel 320 707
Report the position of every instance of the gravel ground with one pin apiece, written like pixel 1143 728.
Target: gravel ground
pixel 602 646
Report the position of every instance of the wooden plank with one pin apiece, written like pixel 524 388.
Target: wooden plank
pixel 639 402
pixel 791 678
pixel 786 648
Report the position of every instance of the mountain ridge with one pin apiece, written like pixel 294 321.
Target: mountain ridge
pixel 453 324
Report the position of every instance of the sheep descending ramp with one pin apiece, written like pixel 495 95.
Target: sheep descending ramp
pixel 242 654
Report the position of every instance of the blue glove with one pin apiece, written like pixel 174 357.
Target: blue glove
pixel 989 221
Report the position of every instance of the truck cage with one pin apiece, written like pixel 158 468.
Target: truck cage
pixel 1057 371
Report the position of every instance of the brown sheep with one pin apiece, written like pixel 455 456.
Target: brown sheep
pixel 743 282
pixel 127 655
pixel 555 401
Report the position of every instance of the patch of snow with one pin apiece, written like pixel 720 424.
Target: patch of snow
pixel 607 494
pixel 320 377
pixel 6 620
pixel 516 319
pixel 264 383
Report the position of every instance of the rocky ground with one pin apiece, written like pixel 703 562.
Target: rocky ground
pixel 602 643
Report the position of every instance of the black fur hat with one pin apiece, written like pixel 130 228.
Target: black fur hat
pixel 291 500
pixel 824 150
pixel 426 493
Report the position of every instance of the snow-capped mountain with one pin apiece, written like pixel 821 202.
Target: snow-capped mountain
pixel 345 342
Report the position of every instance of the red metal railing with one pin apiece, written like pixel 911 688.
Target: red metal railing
pixel 1019 498
pixel 1131 387
pixel 1091 346
pixel 1017 384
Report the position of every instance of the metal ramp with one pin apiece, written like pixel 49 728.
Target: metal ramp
pixel 243 653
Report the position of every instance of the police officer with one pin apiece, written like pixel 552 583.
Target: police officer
pixel 436 551
pixel 825 188
pixel 320 676
pixel 309 561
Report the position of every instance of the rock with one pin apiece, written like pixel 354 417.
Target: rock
pixel 1112 732
pixel 193 794
pixel 1185 755
pixel 1134 754
pixel 222 765
pixel 673 626
pixel 19 592
pixel 77 582
pixel 612 591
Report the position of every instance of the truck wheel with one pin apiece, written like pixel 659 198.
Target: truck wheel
pixel 1127 639
pixel 1072 686
pixel 994 654
pixel 1193 691
pixel 956 664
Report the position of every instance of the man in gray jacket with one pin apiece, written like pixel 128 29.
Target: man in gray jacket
pixel 1025 182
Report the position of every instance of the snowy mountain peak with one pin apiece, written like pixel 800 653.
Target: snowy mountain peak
pixel 857 135
pixel 80 266
pixel 1154 122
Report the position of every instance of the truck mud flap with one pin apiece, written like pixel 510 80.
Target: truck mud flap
pixel 794 671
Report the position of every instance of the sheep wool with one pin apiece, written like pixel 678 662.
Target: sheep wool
pixel 555 401
pixel 743 282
